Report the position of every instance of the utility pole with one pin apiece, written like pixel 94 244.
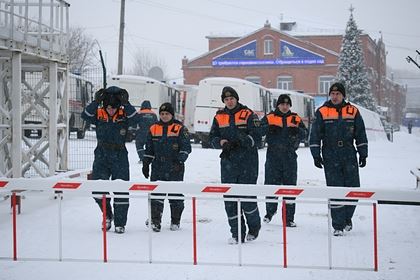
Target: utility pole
pixel 121 40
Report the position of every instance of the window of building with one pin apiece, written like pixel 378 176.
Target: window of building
pixel 254 79
pixel 324 83
pixel 285 82
pixel 268 47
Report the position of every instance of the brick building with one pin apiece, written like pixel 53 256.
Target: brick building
pixel 277 59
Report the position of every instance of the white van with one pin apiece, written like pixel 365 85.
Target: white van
pixel 188 102
pixel 254 96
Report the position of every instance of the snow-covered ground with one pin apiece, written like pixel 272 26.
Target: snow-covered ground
pixel 388 166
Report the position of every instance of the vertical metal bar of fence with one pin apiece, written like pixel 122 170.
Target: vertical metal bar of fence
pixel 60 228
pixel 51 36
pixel 25 33
pixel 283 211
pixel 14 226
pixel 194 217
pixel 329 236
pixel 39 25
pixel 149 210
pixel 239 213
pixel 375 239
pixel 105 253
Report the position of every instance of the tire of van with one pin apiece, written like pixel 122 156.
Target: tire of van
pixel 81 134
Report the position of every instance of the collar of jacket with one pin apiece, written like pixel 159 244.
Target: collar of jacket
pixel 233 111
pixel 277 112
pixel 338 106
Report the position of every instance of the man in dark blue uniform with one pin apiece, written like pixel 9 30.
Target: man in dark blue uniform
pixel 236 129
pixel 338 126
pixel 167 148
pixel 111 113
pixel 146 118
pixel 284 131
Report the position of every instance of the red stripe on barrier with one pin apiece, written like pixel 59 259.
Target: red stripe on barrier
pixel 64 185
pixel 289 191
pixel 143 187
pixel 360 194
pixel 215 189
pixel 3 183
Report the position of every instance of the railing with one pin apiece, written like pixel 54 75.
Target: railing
pixel 36 26
pixel 193 191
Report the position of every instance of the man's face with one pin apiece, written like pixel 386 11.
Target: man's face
pixel 165 116
pixel 336 97
pixel 230 102
pixel 284 107
pixel 111 111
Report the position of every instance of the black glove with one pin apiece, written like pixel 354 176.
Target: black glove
pixel 123 96
pixel 318 162
pixel 100 95
pixel 145 169
pixel 362 162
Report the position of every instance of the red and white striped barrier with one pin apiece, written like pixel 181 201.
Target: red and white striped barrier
pixel 75 186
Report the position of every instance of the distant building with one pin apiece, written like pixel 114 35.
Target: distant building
pixel 276 59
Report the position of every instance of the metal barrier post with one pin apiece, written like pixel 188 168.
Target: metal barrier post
pixel 239 213
pixel 60 228
pixel 375 239
pixel 104 226
pixel 283 212
pixel 149 211
pixel 329 236
pixel 194 221
pixel 14 226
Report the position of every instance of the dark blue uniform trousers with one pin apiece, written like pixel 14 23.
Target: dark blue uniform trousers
pixel 249 209
pixel 343 171
pixel 112 164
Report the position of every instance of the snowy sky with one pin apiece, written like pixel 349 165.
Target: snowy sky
pixel 170 30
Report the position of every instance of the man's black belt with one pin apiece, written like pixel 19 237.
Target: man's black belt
pixel 339 144
pixel 111 146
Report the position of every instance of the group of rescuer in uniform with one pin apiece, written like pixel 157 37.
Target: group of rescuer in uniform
pixel 163 144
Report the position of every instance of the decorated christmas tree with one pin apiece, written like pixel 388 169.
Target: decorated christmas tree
pixel 352 69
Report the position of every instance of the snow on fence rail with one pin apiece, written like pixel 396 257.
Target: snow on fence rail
pixel 73 187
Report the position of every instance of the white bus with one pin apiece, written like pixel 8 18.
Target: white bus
pixel 144 88
pixel 254 96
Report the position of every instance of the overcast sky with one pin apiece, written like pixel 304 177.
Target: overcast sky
pixel 173 29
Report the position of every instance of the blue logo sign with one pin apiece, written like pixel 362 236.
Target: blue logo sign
pixel 246 56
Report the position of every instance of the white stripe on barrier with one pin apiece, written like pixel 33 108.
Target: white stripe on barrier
pixel 75 186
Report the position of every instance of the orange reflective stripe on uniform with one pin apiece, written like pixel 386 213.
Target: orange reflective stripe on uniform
pixel 156 130
pixel 349 112
pixel 103 115
pixel 222 120
pixel 145 111
pixel 328 113
pixel 174 129
pixel 241 117
pixel 274 120
pixel 293 120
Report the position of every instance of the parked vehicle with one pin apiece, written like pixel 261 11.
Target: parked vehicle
pixel 81 91
pixel 144 88
pixel 188 97
pixel 256 97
